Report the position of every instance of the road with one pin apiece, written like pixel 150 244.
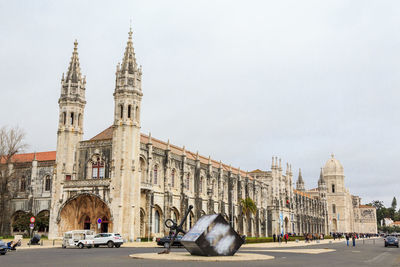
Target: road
pixel 368 254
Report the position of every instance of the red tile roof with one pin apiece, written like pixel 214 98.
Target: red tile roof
pixel 28 157
pixel 301 193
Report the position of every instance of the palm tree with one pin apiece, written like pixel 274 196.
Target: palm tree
pixel 248 206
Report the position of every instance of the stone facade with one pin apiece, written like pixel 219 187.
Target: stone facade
pixel 134 182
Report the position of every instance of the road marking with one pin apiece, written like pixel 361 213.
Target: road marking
pixel 355 251
pixel 378 257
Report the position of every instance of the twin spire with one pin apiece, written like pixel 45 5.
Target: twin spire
pixel 129 61
pixel 74 70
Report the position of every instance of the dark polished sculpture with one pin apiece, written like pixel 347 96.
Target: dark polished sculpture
pixel 175 229
pixel 212 236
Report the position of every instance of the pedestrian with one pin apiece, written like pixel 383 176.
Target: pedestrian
pixel 274 237
pixel 347 239
pixel 354 240
pixel 286 238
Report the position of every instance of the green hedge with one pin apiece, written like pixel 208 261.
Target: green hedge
pixel 250 240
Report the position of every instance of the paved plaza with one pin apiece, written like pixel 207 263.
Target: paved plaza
pixel 371 253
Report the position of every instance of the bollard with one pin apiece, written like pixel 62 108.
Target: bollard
pixel 53 242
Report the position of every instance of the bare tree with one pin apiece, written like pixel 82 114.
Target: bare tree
pixel 12 141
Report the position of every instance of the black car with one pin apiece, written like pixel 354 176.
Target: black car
pixel 166 240
pixel 391 241
pixel 3 248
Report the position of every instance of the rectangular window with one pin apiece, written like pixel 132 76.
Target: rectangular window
pixel 68 177
pixel 101 172
pixel 48 184
pixel 94 173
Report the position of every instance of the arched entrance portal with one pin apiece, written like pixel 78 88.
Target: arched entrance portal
pixel 82 212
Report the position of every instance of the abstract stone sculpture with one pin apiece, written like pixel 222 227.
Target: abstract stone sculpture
pixel 212 236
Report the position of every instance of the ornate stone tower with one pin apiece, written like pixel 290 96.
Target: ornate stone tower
pixel 322 186
pixel 300 182
pixel 125 179
pixel 70 131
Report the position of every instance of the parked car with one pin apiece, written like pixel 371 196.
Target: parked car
pixel 391 241
pixel 166 240
pixel 3 248
pixel 108 239
pixel 78 238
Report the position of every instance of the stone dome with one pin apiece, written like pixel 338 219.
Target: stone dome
pixel 333 167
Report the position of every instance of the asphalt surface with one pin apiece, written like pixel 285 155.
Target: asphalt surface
pixel 368 254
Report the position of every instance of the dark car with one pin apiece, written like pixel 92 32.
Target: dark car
pixel 3 248
pixel 391 241
pixel 166 240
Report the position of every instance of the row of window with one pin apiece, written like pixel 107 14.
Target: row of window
pixel 71 118
pixel 47 184
pixel 129 112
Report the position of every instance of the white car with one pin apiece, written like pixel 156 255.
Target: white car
pixel 108 239
pixel 78 238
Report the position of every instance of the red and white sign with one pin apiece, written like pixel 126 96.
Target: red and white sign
pixel 32 219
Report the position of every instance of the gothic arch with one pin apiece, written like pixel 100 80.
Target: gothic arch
pixel 72 215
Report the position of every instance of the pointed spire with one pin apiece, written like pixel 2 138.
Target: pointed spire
pixel 220 164
pixel 74 70
pixel 149 142
pixel 300 179
pixel 129 61
pixel 321 179
pixel 280 164
pixel 300 182
pixel 168 146
pixel 34 156
pixel 273 163
pixel 209 160
pixel 183 151
pixel 197 155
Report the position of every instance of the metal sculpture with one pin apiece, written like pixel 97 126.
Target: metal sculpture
pixel 173 226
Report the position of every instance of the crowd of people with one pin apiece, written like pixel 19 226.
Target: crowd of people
pixel 309 237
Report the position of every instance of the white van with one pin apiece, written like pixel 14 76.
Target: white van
pixel 78 238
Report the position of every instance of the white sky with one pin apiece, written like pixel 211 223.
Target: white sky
pixel 238 80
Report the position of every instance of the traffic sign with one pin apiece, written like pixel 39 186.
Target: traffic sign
pixel 99 220
pixel 32 219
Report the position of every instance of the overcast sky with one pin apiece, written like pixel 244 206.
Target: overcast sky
pixel 241 81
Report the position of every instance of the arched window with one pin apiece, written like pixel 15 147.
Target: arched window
pixel 79 119
pixel 155 174
pixel 64 117
pixel 333 208
pixel 188 181
pixel 47 185
pixel 98 169
pixel 23 184
pixel 156 222
pixel 333 188
pixel 72 118
pixel 129 111
pixel 173 178
pixel 121 112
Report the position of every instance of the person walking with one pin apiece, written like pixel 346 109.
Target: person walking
pixel 286 238
pixel 354 240
pixel 347 239
pixel 274 237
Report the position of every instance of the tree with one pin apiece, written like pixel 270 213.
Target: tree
pixel 381 211
pixel 12 141
pixel 248 206
pixel 394 203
